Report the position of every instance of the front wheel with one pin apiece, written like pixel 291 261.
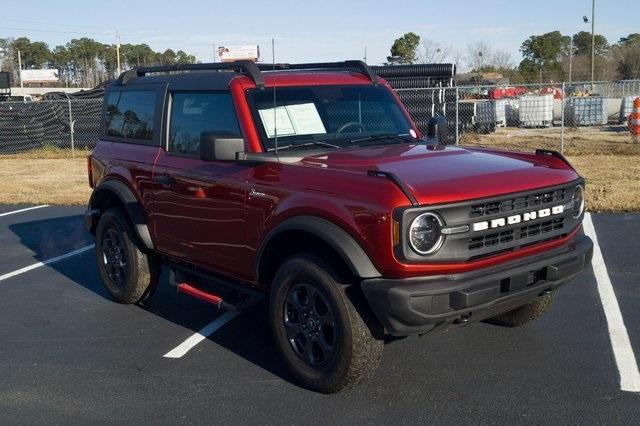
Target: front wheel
pixel 319 329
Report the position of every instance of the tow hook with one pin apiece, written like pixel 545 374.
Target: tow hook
pixel 463 319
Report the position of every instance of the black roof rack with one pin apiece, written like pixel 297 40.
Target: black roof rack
pixel 352 65
pixel 248 68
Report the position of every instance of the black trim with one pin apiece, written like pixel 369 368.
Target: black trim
pixel 423 304
pixel 248 68
pixel 351 65
pixel 397 181
pixel 131 204
pixel 348 249
pixel 556 154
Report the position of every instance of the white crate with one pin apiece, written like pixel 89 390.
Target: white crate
pixel 536 111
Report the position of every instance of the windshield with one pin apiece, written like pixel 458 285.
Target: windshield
pixel 330 116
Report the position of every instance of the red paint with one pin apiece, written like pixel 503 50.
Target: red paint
pixel 199 294
pixel 217 214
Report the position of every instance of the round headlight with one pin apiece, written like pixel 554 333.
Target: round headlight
pixel 578 201
pixel 425 233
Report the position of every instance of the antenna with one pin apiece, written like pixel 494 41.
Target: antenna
pixel 275 111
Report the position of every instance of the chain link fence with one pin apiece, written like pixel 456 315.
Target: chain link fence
pixel 60 124
pixel 532 109
pixel 473 112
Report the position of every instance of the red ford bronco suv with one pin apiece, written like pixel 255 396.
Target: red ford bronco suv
pixel 311 184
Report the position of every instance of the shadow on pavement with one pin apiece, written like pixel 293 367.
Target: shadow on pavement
pixel 247 335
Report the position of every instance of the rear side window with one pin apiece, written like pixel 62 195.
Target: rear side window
pixel 130 114
pixel 193 113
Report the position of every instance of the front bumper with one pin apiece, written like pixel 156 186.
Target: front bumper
pixel 419 305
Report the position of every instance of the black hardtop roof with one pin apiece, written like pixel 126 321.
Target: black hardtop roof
pixel 217 76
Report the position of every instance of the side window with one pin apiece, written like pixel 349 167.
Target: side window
pixel 130 114
pixel 194 113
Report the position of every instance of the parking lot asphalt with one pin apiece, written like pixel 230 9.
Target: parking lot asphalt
pixel 70 354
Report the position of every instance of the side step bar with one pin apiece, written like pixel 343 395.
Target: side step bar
pixel 208 288
pixel 207 297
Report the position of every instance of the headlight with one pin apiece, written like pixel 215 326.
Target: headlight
pixel 425 233
pixel 578 201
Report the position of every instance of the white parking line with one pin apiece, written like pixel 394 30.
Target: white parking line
pixel 45 262
pixel 184 347
pixel 622 350
pixel 23 210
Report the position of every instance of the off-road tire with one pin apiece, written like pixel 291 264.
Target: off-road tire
pixel 525 314
pixel 358 337
pixel 141 270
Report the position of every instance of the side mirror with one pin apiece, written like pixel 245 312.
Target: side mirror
pixel 220 146
pixel 437 128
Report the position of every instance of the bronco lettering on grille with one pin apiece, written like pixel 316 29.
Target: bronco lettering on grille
pixel 517 218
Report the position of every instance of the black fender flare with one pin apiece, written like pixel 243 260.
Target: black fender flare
pixel 343 243
pixel 131 205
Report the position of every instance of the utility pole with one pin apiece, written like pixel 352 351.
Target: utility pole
pixel 20 69
pixel 593 40
pixel 213 46
pixel 119 68
pixel 570 57
pixel 365 54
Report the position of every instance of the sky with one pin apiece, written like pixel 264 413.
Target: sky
pixel 307 30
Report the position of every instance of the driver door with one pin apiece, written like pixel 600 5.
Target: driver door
pixel 199 207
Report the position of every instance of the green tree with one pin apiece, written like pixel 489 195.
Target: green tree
pixel 403 50
pixel 542 55
pixel 629 38
pixel 582 44
pixel 33 54
pixel 184 58
pixel 168 57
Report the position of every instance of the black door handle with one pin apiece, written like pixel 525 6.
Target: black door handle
pixel 165 180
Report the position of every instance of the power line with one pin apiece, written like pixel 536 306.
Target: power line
pixel 56 31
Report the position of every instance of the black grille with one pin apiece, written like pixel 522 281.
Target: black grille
pixel 541 228
pixel 491 240
pixel 495 239
pixel 518 203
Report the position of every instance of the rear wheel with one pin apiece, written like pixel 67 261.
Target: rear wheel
pixel 320 328
pixel 525 314
pixel 128 274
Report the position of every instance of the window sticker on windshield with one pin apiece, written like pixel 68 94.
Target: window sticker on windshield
pixel 284 125
pixel 306 119
pixel 300 119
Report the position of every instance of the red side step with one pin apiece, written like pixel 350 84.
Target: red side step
pixel 203 295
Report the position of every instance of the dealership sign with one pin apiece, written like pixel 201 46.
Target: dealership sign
pixel 235 53
pixel 39 75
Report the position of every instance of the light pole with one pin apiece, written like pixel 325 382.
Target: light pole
pixel 119 68
pixel 20 69
pixel 593 39
pixel 570 57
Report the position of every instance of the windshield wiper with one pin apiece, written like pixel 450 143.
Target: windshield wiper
pixel 301 145
pixel 374 139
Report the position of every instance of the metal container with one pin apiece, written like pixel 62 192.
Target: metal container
pixel 586 111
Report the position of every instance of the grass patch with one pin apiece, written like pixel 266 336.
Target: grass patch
pixel 613 182
pixel 607 160
pixel 28 180
pixel 49 152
